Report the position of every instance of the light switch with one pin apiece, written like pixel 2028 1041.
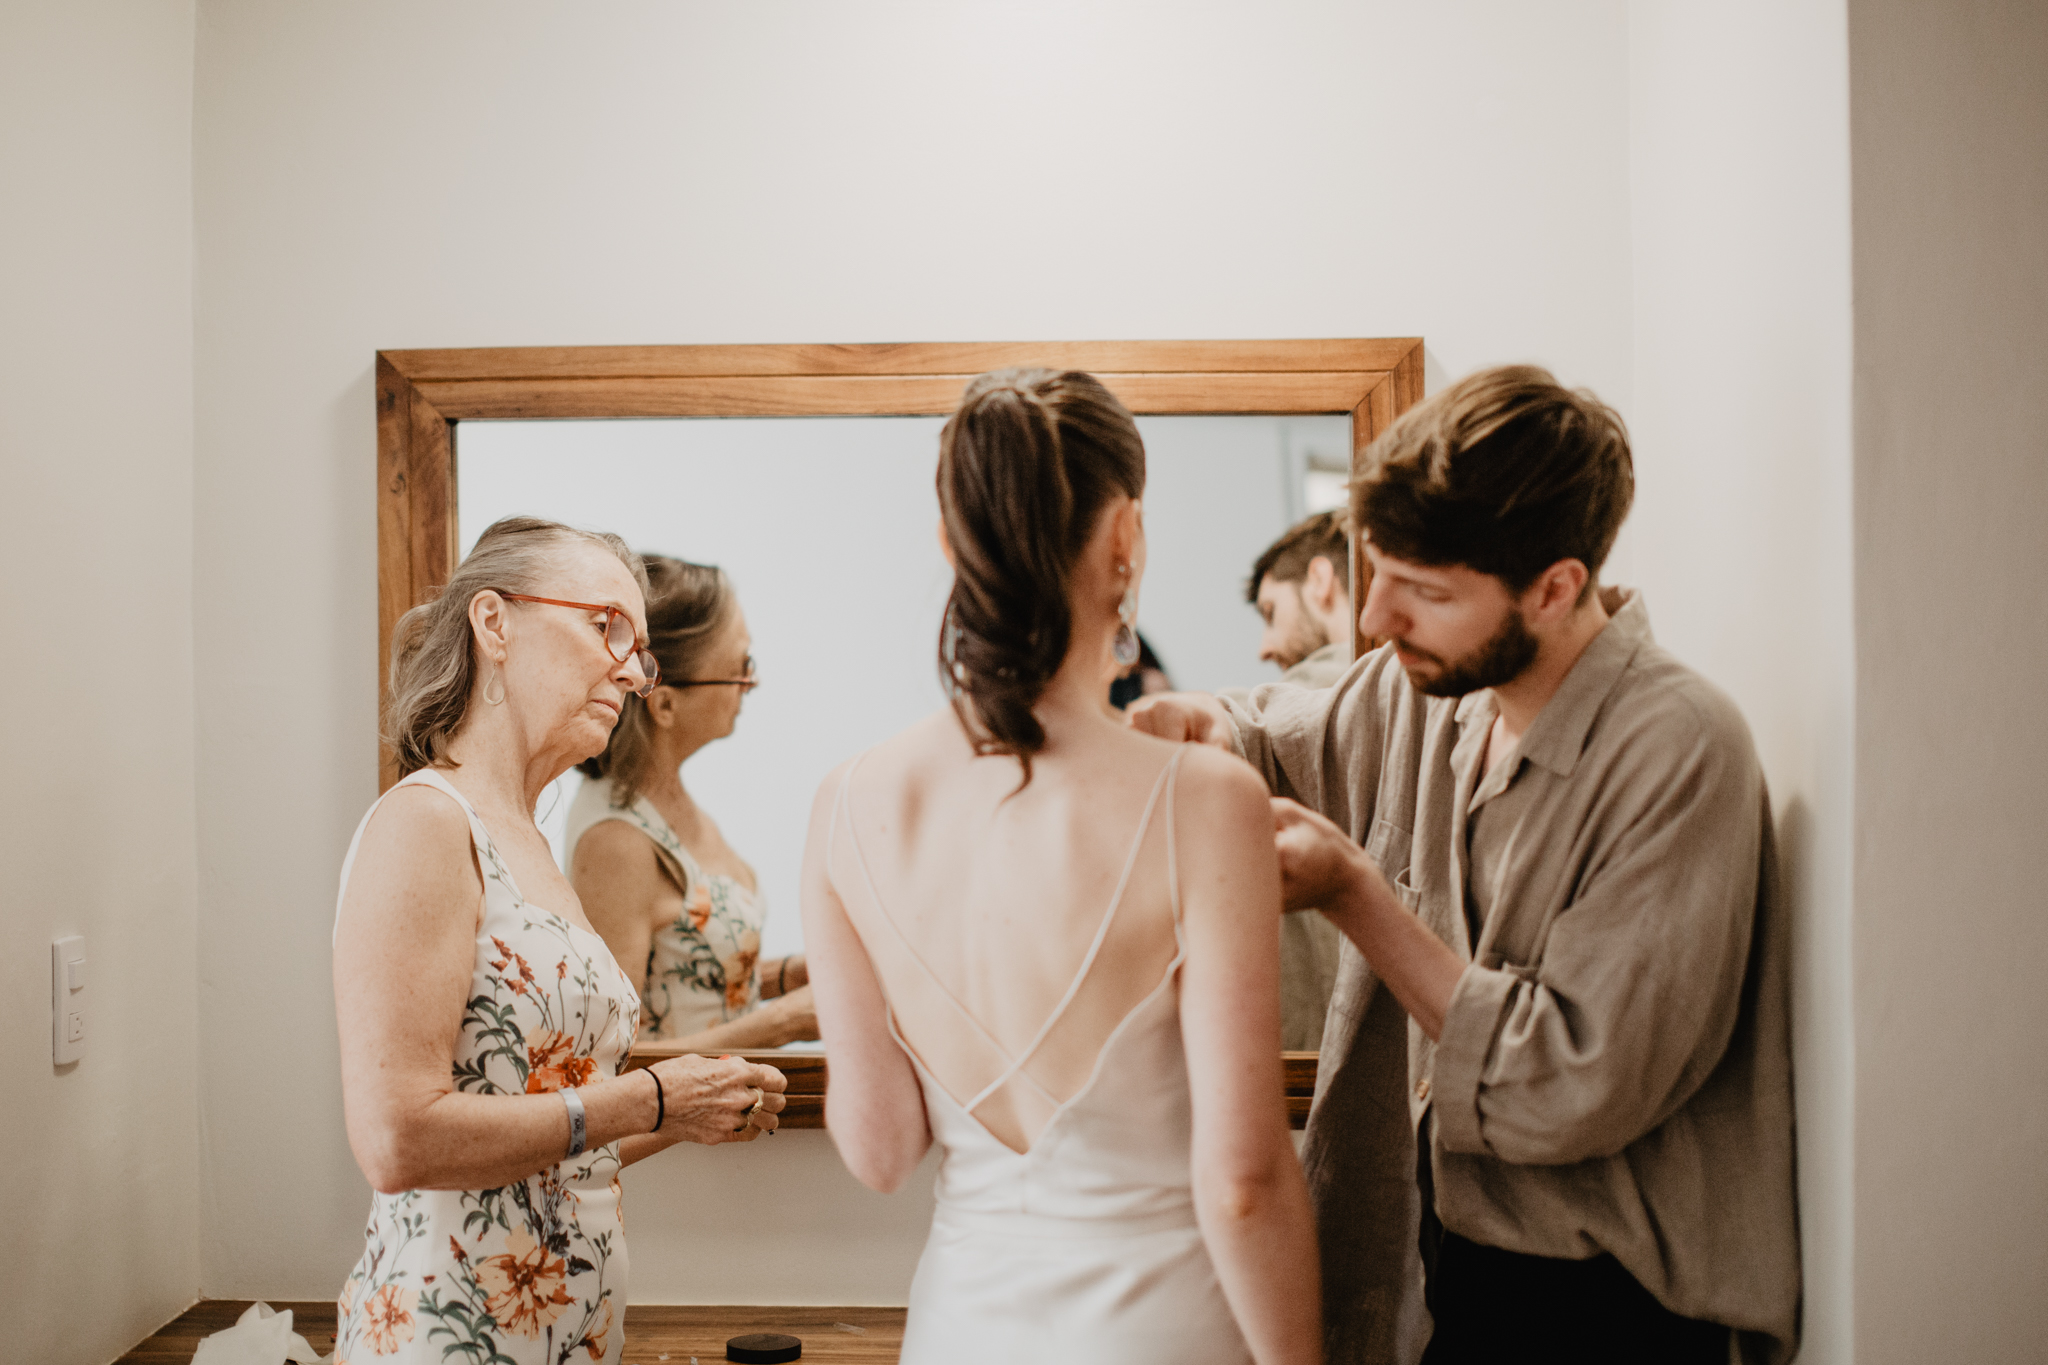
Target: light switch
pixel 67 1000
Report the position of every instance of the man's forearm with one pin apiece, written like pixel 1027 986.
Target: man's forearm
pixel 1416 965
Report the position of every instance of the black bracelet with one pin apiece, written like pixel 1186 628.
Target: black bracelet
pixel 782 976
pixel 660 1102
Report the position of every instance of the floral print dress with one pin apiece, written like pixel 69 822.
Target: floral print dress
pixel 531 1273
pixel 701 966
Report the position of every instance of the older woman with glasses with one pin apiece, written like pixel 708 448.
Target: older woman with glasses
pixel 482 1032
pixel 668 893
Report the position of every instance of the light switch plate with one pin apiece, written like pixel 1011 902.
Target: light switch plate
pixel 67 999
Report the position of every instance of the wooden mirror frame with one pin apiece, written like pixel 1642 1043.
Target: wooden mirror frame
pixel 422 394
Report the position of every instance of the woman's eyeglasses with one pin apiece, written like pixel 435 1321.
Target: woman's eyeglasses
pixel 748 683
pixel 619 640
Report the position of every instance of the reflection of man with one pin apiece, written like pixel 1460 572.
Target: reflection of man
pixel 1302 588
pixel 1566 882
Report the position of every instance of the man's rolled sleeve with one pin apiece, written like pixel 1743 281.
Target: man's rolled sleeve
pixel 1640 980
pixel 1471 1021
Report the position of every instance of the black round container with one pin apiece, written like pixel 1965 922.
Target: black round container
pixel 764 1348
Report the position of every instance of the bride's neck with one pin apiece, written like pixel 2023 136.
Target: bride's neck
pixel 1077 698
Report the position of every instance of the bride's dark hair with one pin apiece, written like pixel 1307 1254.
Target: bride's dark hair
pixel 1026 465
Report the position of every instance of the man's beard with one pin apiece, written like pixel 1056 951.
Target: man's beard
pixel 1501 659
pixel 1305 639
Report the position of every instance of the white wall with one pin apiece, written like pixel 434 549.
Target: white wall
pixel 1740 538
pixel 384 175
pixel 1949 121
pixel 96 813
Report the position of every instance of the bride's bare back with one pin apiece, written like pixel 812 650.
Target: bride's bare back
pixel 1012 930
pixel 976 944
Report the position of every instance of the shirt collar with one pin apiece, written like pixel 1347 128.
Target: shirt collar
pixel 1557 736
pixel 1335 652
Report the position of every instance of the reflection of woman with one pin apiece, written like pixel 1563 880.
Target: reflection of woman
pixel 1047 942
pixel 661 884
pixel 482 1032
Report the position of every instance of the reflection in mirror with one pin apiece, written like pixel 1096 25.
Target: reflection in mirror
pixel 825 530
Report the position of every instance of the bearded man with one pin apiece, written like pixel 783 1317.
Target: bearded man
pixel 1301 587
pixel 1547 843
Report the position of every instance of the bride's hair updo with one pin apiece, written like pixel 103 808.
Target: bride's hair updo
pixel 1026 466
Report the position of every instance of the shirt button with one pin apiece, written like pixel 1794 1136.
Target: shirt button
pixel 1422 1088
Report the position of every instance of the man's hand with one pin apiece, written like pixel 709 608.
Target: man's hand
pixel 1184 718
pixel 1320 867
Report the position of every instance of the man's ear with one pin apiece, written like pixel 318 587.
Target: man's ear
pixel 1555 593
pixel 1320 584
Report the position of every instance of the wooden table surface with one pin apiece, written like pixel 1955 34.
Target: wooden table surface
pixel 809 1072
pixel 656 1334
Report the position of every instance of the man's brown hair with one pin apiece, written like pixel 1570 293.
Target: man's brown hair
pixel 1326 535
pixel 1506 472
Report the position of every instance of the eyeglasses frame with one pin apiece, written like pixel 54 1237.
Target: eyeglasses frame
pixel 653 680
pixel 749 683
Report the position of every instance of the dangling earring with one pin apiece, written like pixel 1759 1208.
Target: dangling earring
pixel 1123 647
pixel 496 680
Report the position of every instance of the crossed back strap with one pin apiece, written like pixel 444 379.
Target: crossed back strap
pixel 1013 1065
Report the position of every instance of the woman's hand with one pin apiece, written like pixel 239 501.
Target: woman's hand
pixel 718 1099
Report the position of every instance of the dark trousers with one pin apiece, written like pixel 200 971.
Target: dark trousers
pixel 1493 1307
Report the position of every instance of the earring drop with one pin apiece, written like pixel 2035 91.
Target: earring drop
pixel 1123 647
pixel 496 680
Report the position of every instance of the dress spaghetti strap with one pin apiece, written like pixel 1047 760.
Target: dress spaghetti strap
pixel 1014 1066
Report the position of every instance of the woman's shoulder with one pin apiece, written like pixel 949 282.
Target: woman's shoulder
pixel 1201 765
pixel 420 825
pixel 421 807
pixel 934 739
pixel 595 812
pixel 1212 784
pixel 611 840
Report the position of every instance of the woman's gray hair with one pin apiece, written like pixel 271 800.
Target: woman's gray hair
pixel 433 654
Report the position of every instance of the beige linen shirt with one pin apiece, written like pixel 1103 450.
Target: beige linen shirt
pixel 1322 668
pixel 1309 944
pixel 1614 1072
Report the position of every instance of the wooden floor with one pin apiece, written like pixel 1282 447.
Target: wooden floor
pixel 654 1333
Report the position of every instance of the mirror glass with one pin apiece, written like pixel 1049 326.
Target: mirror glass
pixel 827 527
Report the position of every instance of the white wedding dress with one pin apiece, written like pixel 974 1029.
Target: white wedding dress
pixel 1082 1249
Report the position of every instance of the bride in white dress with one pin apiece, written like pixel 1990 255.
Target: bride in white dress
pixel 1047 942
